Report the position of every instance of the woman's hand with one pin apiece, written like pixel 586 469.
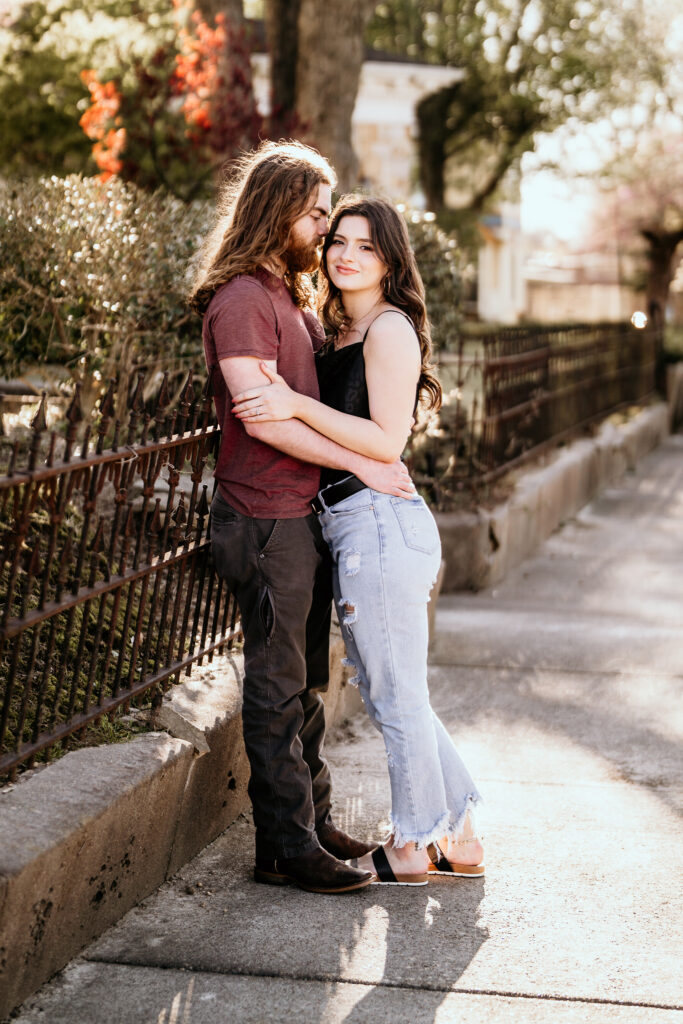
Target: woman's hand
pixel 274 401
pixel 388 477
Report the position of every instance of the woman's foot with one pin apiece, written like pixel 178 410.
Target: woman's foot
pixel 403 860
pixel 462 851
pixel 463 856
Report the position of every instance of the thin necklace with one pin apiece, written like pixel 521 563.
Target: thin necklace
pixel 353 326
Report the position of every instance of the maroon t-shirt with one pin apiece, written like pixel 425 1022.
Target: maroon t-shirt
pixel 255 316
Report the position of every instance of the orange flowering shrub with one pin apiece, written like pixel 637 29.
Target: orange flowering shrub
pixel 110 142
pixel 181 114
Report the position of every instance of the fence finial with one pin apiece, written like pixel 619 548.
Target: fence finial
pixel 107 401
pixel 39 421
pixel 74 413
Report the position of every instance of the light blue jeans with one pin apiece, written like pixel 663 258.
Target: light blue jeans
pixel 386 554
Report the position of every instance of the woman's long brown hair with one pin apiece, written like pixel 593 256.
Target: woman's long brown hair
pixel 402 287
pixel 269 189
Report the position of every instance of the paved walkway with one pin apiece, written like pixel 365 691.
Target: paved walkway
pixel 562 688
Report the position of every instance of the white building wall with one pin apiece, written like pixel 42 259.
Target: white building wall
pixel 501 296
pixel 588 302
pixel 384 125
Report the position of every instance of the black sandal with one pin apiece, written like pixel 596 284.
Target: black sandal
pixel 442 867
pixel 385 873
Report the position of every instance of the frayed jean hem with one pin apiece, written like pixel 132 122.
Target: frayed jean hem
pixel 445 828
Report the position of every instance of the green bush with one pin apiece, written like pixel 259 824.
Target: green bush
pixel 93 278
pixel 437 257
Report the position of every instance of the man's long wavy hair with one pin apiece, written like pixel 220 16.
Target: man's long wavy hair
pixel 402 286
pixel 270 188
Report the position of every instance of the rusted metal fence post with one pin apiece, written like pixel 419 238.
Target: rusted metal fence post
pixel 106 580
pixel 522 389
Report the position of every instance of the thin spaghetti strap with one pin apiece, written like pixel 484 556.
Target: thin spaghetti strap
pixel 399 311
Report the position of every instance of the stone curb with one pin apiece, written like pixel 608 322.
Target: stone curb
pixel 85 839
pixel 480 547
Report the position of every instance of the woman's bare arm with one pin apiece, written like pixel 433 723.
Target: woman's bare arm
pixel 299 440
pixel 392 368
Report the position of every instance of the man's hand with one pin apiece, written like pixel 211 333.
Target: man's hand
pixel 387 477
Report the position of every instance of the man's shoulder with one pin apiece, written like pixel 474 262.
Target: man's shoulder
pixel 243 296
pixel 243 285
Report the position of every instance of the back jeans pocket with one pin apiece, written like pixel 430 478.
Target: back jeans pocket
pixel 418 527
pixel 229 542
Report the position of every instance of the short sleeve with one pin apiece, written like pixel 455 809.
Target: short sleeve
pixel 315 330
pixel 242 321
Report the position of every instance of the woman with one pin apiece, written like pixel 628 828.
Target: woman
pixel 372 372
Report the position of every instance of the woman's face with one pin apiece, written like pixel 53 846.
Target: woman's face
pixel 353 263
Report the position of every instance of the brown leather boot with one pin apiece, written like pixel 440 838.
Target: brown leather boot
pixel 342 846
pixel 317 871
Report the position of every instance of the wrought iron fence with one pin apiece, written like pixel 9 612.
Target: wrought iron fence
pixel 106 581
pixel 107 588
pixel 512 392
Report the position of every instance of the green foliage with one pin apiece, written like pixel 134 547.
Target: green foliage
pixel 527 68
pixel 43 49
pixel 642 212
pixel 175 117
pixel 165 96
pixel 93 278
pixel 438 259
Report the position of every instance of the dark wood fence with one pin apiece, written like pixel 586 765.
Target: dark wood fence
pixel 106 581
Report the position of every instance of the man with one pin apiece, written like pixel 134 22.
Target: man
pixel 253 291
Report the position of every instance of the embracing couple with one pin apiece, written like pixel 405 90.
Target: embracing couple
pixel 292 395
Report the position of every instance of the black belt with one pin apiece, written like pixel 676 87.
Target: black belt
pixel 336 492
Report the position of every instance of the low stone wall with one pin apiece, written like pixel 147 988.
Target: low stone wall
pixel 480 547
pixel 85 839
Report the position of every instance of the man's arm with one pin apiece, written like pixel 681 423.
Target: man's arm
pixel 298 440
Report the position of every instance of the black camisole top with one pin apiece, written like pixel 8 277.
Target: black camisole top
pixel 342 384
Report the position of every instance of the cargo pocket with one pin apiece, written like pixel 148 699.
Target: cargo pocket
pixel 267 614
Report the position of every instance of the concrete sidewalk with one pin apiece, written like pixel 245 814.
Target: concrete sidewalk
pixel 562 688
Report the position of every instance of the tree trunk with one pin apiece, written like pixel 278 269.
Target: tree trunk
pixel 661 267
pixel 282 18
pixel 328 72
pixel 432 114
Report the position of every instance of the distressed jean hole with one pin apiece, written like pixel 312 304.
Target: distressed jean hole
pixel 351 561
pixel 350 613
pixel 355 678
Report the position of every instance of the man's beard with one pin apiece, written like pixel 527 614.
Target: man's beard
pixel 302 257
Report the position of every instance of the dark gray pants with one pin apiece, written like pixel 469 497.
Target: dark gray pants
pixel 280 572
